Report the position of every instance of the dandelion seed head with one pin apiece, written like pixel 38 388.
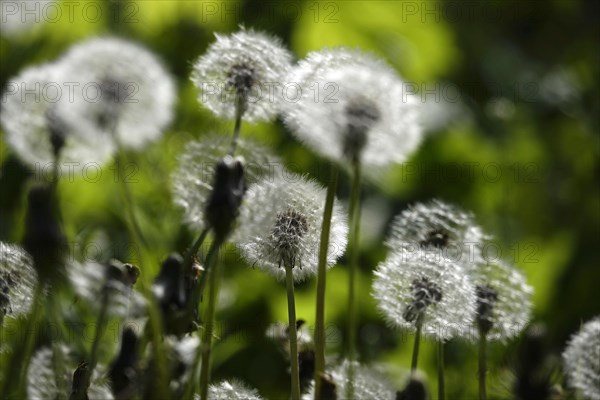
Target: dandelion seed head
pixel 353 107
pixel 18 280
pixel 503 300
pixel 192 182
pixel 128 95
pixel 280 225
pixel 369 383
pixel 440 228
pixel 17 18
pixel 34 124
pixel 230 390
pixel 41 376
pixel 243 65
pixel 582 360
pixel 436 291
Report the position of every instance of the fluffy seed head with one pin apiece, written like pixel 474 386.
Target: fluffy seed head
pixel 193 178
pixel 350 106
pixel 124 93
pixel 430 289
pixel 230 390
pixel 248 66
pixel 369 383
pixel 42 379
pixel 35 126
pixel 582 360
pixel 438 228
pixel 17 18
pixel 18 280
pixel 280 225
pixel 503 300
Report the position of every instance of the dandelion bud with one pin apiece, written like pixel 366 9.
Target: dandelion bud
pixel 193 181
pixel 79 387
pixel 415 390
pixel 123 370
pixel 582 361
pixel 328 388
pixel 44 238
pixel 228 190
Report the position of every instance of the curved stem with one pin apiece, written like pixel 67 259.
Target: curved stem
pixel 353 240
pixel 440 371
pixel 192 251
pixel 321 281
pixel 415 355
pixel 207 335
pixel 289 279
pixel 482 365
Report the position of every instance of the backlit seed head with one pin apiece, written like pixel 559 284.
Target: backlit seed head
pixel 428 290
pixel 230 390
pixel 280 226
pixel 503 300
pixel 360 112
pixel 582 360
pixel 133 94
pixel 18 280
pixel 245 66
pixel 438 228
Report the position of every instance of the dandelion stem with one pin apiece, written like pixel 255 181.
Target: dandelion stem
pixel 321 281
pixel 482 365
pixel 289 279
pixel 100 325
pixel 415 355
pixel 353 240
pixel 206 345
pixel 240 107
pixel 440 371
pixel 192 251
pixel 128 198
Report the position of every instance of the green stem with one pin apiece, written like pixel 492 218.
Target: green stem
pixel 240 108
pixel 415 355
pixel 206 345
pixel 482 365
pixel 189 255
pixel 101 322
pixel 321 281
pixel 128 198
pixel 353 240
pixel 440 370
pixel 289 279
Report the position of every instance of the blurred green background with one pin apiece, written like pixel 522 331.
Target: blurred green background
pixel 512 135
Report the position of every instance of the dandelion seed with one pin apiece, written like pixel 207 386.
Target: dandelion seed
pixel 369 383
pixel 124 92
pixel 280 223
pixel 193 179
pixel 428 289
pixel 503 300
pixel 246 67
pixel 230 390
pixel 42 379
pixel 582 360
pixel 440 228
pixel 18 281
pixel 36 129
pixel 360 110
